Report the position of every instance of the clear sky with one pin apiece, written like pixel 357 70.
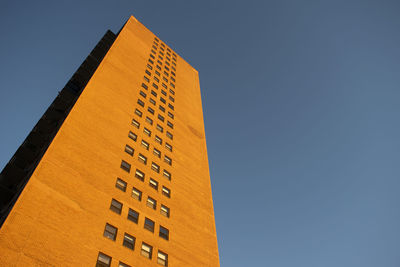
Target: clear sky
pixel 301 102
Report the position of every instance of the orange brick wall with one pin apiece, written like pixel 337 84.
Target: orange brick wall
pixel 60 216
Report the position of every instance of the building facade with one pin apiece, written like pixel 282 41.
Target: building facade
pixel 115 173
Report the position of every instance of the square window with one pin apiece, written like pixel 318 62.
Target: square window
pixel 133 216
pixel 136 123
pixel 158 140
pixel 151 203
pixel 132 136
pixel 162 258
pixel 142 159
pixel 140 175
pixel 129 241
pixel 155 167
pixel 121 184
pixel 166 192
pixel 125 166
pixel 145 145
pixel 129 150
pixel 136 194
pixel 149 225
pixel 138 112
pixel 153 183
pixel 157 152
pixel 116 206
pixel 164 233
pixel 146 250
pixel 167 174
pixel 110 232
pixel 164 210
pixel 168 146
pixel 103 260
pixel 149 121
pixel 147 131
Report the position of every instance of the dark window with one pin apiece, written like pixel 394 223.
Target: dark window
pixel 110 232
pixel 152 101
pixel 154 93
pixel 146 250
pixel 129 150
pixel 148 73
pixel 168 160
pixel 156 72
pixel 136 194
pixel 142 158
pixel 151 203
pixel 161 108
pixel 163 100
pixel 129 241
pixel 155 85
pixel 152 56
pixel 136 123
pixel 145 145
pixel 170 125
pixel 155 167
pixel 170 115
pixel 132 136
pixel 153 183
pixel 140 102
pixel 169 135
pixel 168 146
pixel 167 174
pixel 164 210
pixel 173 79
pixel 146 79
pixel 161 118
pixel 116 206
pixel 140 175
pixel 157 152
pixel 103 260
pixel 166 73
pixel 173 73
pixel 138 112
pixel 171 98
pixel 158 140
pixel 149 225
pixel 133 216
pixel 144 86
pixel 149 121
pixel 158 127
pixel 164 85
pixel 142 94
pixel 149 109
pixel 158 67
pixel 121 184
pixel 151 61
pixel 171 106
pixel 121 264
pixel 164 233
pixel 149 66
pixel 172 91
pixel 125 166
pixel 156 79
pixel 147 131
pixel 166 192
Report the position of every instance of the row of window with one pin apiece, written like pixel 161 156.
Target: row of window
pixel 133 216
pixel 104 260
pixel 156 152
pixel 143 159
pixel 140 175
pixel 151 202
pixel 157 138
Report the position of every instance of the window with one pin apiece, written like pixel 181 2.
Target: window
pixel 151 203
pixel 164 85
pixel 156 79
pixel 158 127
pixel 146 79
pixel 155 167
pixel 152 101
pixel 142 159
pixel 121 184
pixel 161 108
pixel 162 258
pixel 158 67
pixel 164 233
pixel 157 152
pixel 159 62
pixel 154 93
pixel 133 216
pixel 170 124
pixel 149 121
pixel 116 206
pixel 164 210
pixel 167 174
pixel 171 106
pixel 144 86
pixel 139 174
pixel 149 225
pixel 156 72
pixel 164 93
pixel 149 66
pixel 158 140
pixel 125 166
pixel 153 183
pixel 168 160
pixel 163 100
pixel 110 232
pixel 155 85
pixel 173 73
pixel 132 136
pixel 121 264
pixel 145 145
pixel 151 61
pixel 149 109
pixel 168 146
pixel 172 91
pixel 129 150
pixel 141 103
pixel 173 68
pixel 171 98
pixel 166 68
pixel 147 131
pixel 166 192
pixel 138 112
pixel 173 63
pixel 136 123
pixel 154 47
pixel 103 260
pixel 152 56
pixel 129 241
pixel 148 73
pixel 136 194
pixel 169 135
pixel 146 251
pixel 161 118
pixel 166 73
pixel 170 115
pixel 167 63
pixel 142 94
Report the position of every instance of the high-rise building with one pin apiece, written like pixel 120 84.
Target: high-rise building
pixel 115 173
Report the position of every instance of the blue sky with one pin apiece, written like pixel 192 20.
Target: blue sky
pixel 301 106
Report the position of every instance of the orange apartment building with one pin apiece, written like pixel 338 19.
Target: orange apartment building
pixel 115 173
